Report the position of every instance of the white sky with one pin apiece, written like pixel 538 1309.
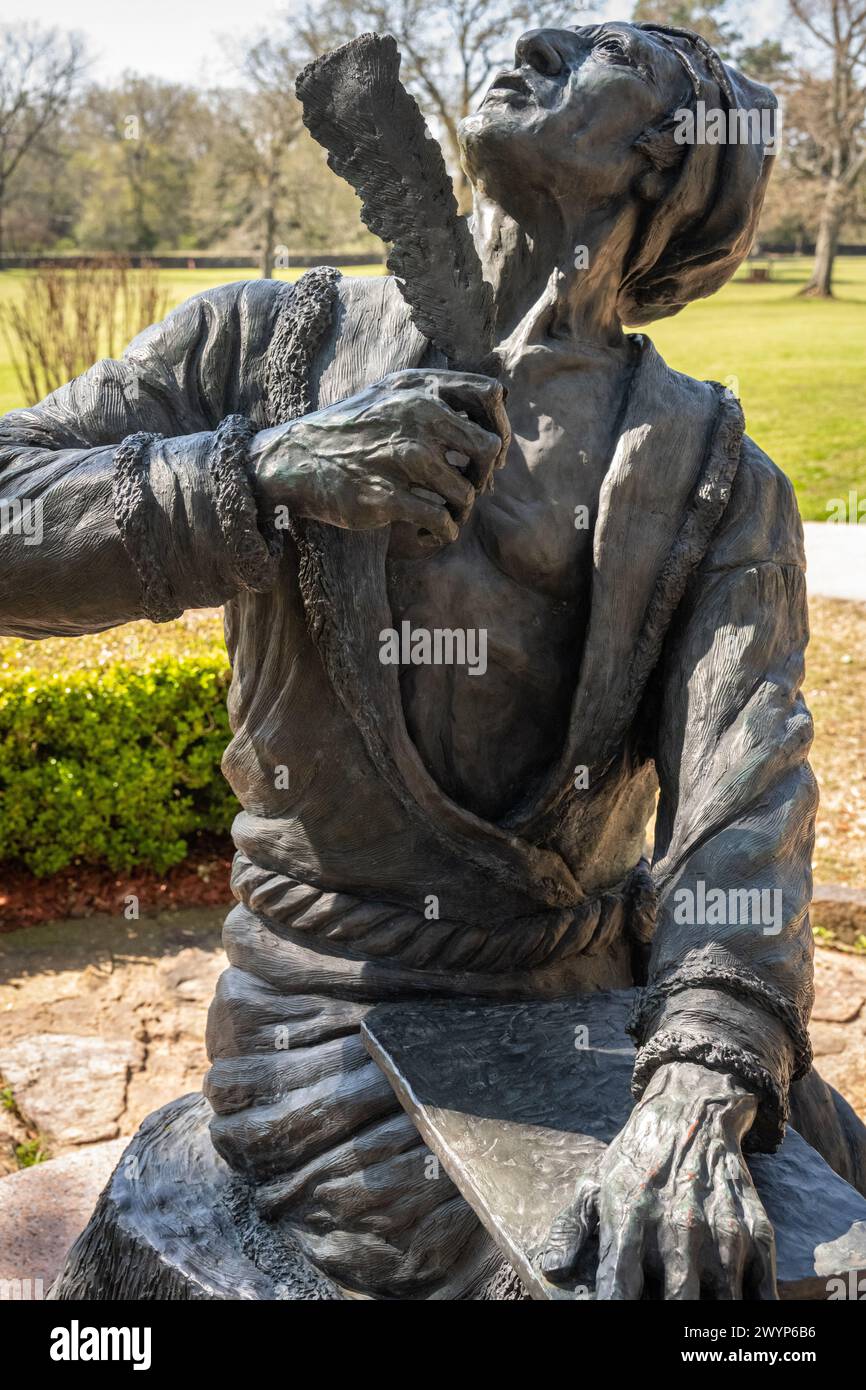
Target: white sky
pixel 180 40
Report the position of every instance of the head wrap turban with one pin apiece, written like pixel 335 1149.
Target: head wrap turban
pixel 703 227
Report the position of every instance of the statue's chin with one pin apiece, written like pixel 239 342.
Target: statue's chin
pixel 488 143
pixel 468 133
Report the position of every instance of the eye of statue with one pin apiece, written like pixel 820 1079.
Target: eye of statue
pixel 613 50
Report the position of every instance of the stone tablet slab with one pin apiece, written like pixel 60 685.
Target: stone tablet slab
pixel 518 1099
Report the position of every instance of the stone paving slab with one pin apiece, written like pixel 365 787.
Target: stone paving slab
pixel 71 1087
pixel 138 990
pixel 42 1211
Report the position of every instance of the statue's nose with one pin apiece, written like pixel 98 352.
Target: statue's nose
pixel 537 49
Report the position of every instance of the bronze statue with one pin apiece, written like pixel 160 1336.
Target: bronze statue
pixel 418 829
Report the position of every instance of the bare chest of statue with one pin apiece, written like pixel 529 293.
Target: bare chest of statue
pixel 487 703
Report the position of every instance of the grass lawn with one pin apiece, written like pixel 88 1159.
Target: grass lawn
pixel 798 365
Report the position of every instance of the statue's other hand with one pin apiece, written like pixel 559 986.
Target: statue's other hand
pixel 418 448
pixel 672 1204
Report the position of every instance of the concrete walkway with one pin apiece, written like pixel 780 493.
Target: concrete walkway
pixel 836 559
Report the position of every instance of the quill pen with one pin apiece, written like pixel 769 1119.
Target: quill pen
pixel 356 107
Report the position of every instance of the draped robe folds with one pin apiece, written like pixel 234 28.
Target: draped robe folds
pixel 689 686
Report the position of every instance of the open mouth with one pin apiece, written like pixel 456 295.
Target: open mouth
pixel 509 85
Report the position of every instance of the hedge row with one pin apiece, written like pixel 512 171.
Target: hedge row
pixel 113 765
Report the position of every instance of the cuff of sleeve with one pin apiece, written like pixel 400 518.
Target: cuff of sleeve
pixel 133 511
pixel 253 546
pixel 726 1033
pixel 188 519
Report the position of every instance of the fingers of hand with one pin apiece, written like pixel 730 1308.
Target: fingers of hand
pixel 432 520
pixel 378 501
pixel 759 1280
pixel 433 421
pixel 681 1251
pixel 725 1248
pixel 621 1244
pixel 474 399
pixel 744 1232
pixel 731 1252
pixel 570 1232
pixel 426 468
pixel 483 400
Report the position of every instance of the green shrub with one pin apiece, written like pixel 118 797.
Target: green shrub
pixel 113 764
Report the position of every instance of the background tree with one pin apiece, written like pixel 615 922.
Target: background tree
pixel 791 205
pixel 39 72
pixel 268 122
pixel 825 122
pixel 43 197
pixel 291 202
pixel 136 147
pixel 768 61
pixel 271 181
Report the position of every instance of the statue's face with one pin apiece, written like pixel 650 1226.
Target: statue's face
pixel 563 122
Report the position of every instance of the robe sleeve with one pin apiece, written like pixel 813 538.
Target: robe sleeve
pixel 730 973
pixel 125 493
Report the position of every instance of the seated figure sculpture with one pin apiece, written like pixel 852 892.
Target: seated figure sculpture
pixel 419 829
